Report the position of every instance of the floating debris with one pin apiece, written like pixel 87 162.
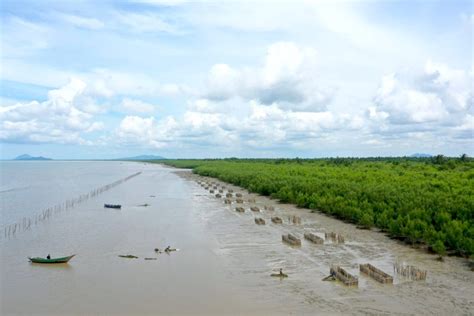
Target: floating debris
pixel 228 195
pixel 410 272
pixel 277 220
pixel 239 195
pixel 375 273
pixel 221 191
pixel 211 191
pixel 228 201
pixel 239 200
pixel 269 208
pixel 255 209
pixel 313 238
pixel 240 209
pixel 218 196
pixel 128 256
pixel 230 191
pixel 291 239
pixel 259 221
pixel 344 276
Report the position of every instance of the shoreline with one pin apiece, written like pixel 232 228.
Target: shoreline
pixel 360 247
pixel 422 247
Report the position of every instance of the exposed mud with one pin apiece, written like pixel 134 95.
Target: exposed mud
pixel 257 251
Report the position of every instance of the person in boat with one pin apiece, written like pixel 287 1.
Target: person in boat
pixel 168 249
pixel 48 256
pixel 280 274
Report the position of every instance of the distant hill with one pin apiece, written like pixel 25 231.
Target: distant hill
pixel 28 157
pixel 143 157
pixel 421 155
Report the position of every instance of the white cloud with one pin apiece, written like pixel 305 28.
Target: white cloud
pixel 288 77
pixel 137 105
pixel 438 100
pixel 81 21
pixel 146 132
pixel 59 119
pixel 144 22
pixel 256 125
pixel 21 37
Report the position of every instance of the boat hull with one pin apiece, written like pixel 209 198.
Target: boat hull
pixel 49 261
pixel 116 206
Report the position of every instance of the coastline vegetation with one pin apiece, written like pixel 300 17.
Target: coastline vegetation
pixel 423 201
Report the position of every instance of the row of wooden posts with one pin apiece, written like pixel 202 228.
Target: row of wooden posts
pixel 400 269
pixel 27 222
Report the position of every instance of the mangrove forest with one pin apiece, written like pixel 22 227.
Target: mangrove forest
pixel 423 201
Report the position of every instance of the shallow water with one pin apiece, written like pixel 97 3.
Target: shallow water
pixel 224 261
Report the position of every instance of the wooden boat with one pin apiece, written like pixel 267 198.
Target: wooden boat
pixel 171 249
pixel 52 260
pixel 128 256
pixel 118 206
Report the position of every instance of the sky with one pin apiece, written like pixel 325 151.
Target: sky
pixel 199 79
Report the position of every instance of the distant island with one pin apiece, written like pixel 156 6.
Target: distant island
pixel 143 157
pixel 28 157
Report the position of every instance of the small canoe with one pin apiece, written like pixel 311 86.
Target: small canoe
pixel 52 260
pixel 128 256
pixel 279 275
pixel 171 249
pixel 118 206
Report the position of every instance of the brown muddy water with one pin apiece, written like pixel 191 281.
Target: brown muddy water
pixel 224 261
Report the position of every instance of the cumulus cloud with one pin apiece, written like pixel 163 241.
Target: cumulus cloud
pixel 146 132
pixel 288 77
pixel 62 118
pixel 255 126
pixel 108 83
pixel 137 105
pixel 439 99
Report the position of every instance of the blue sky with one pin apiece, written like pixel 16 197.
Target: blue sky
pixel 106 79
